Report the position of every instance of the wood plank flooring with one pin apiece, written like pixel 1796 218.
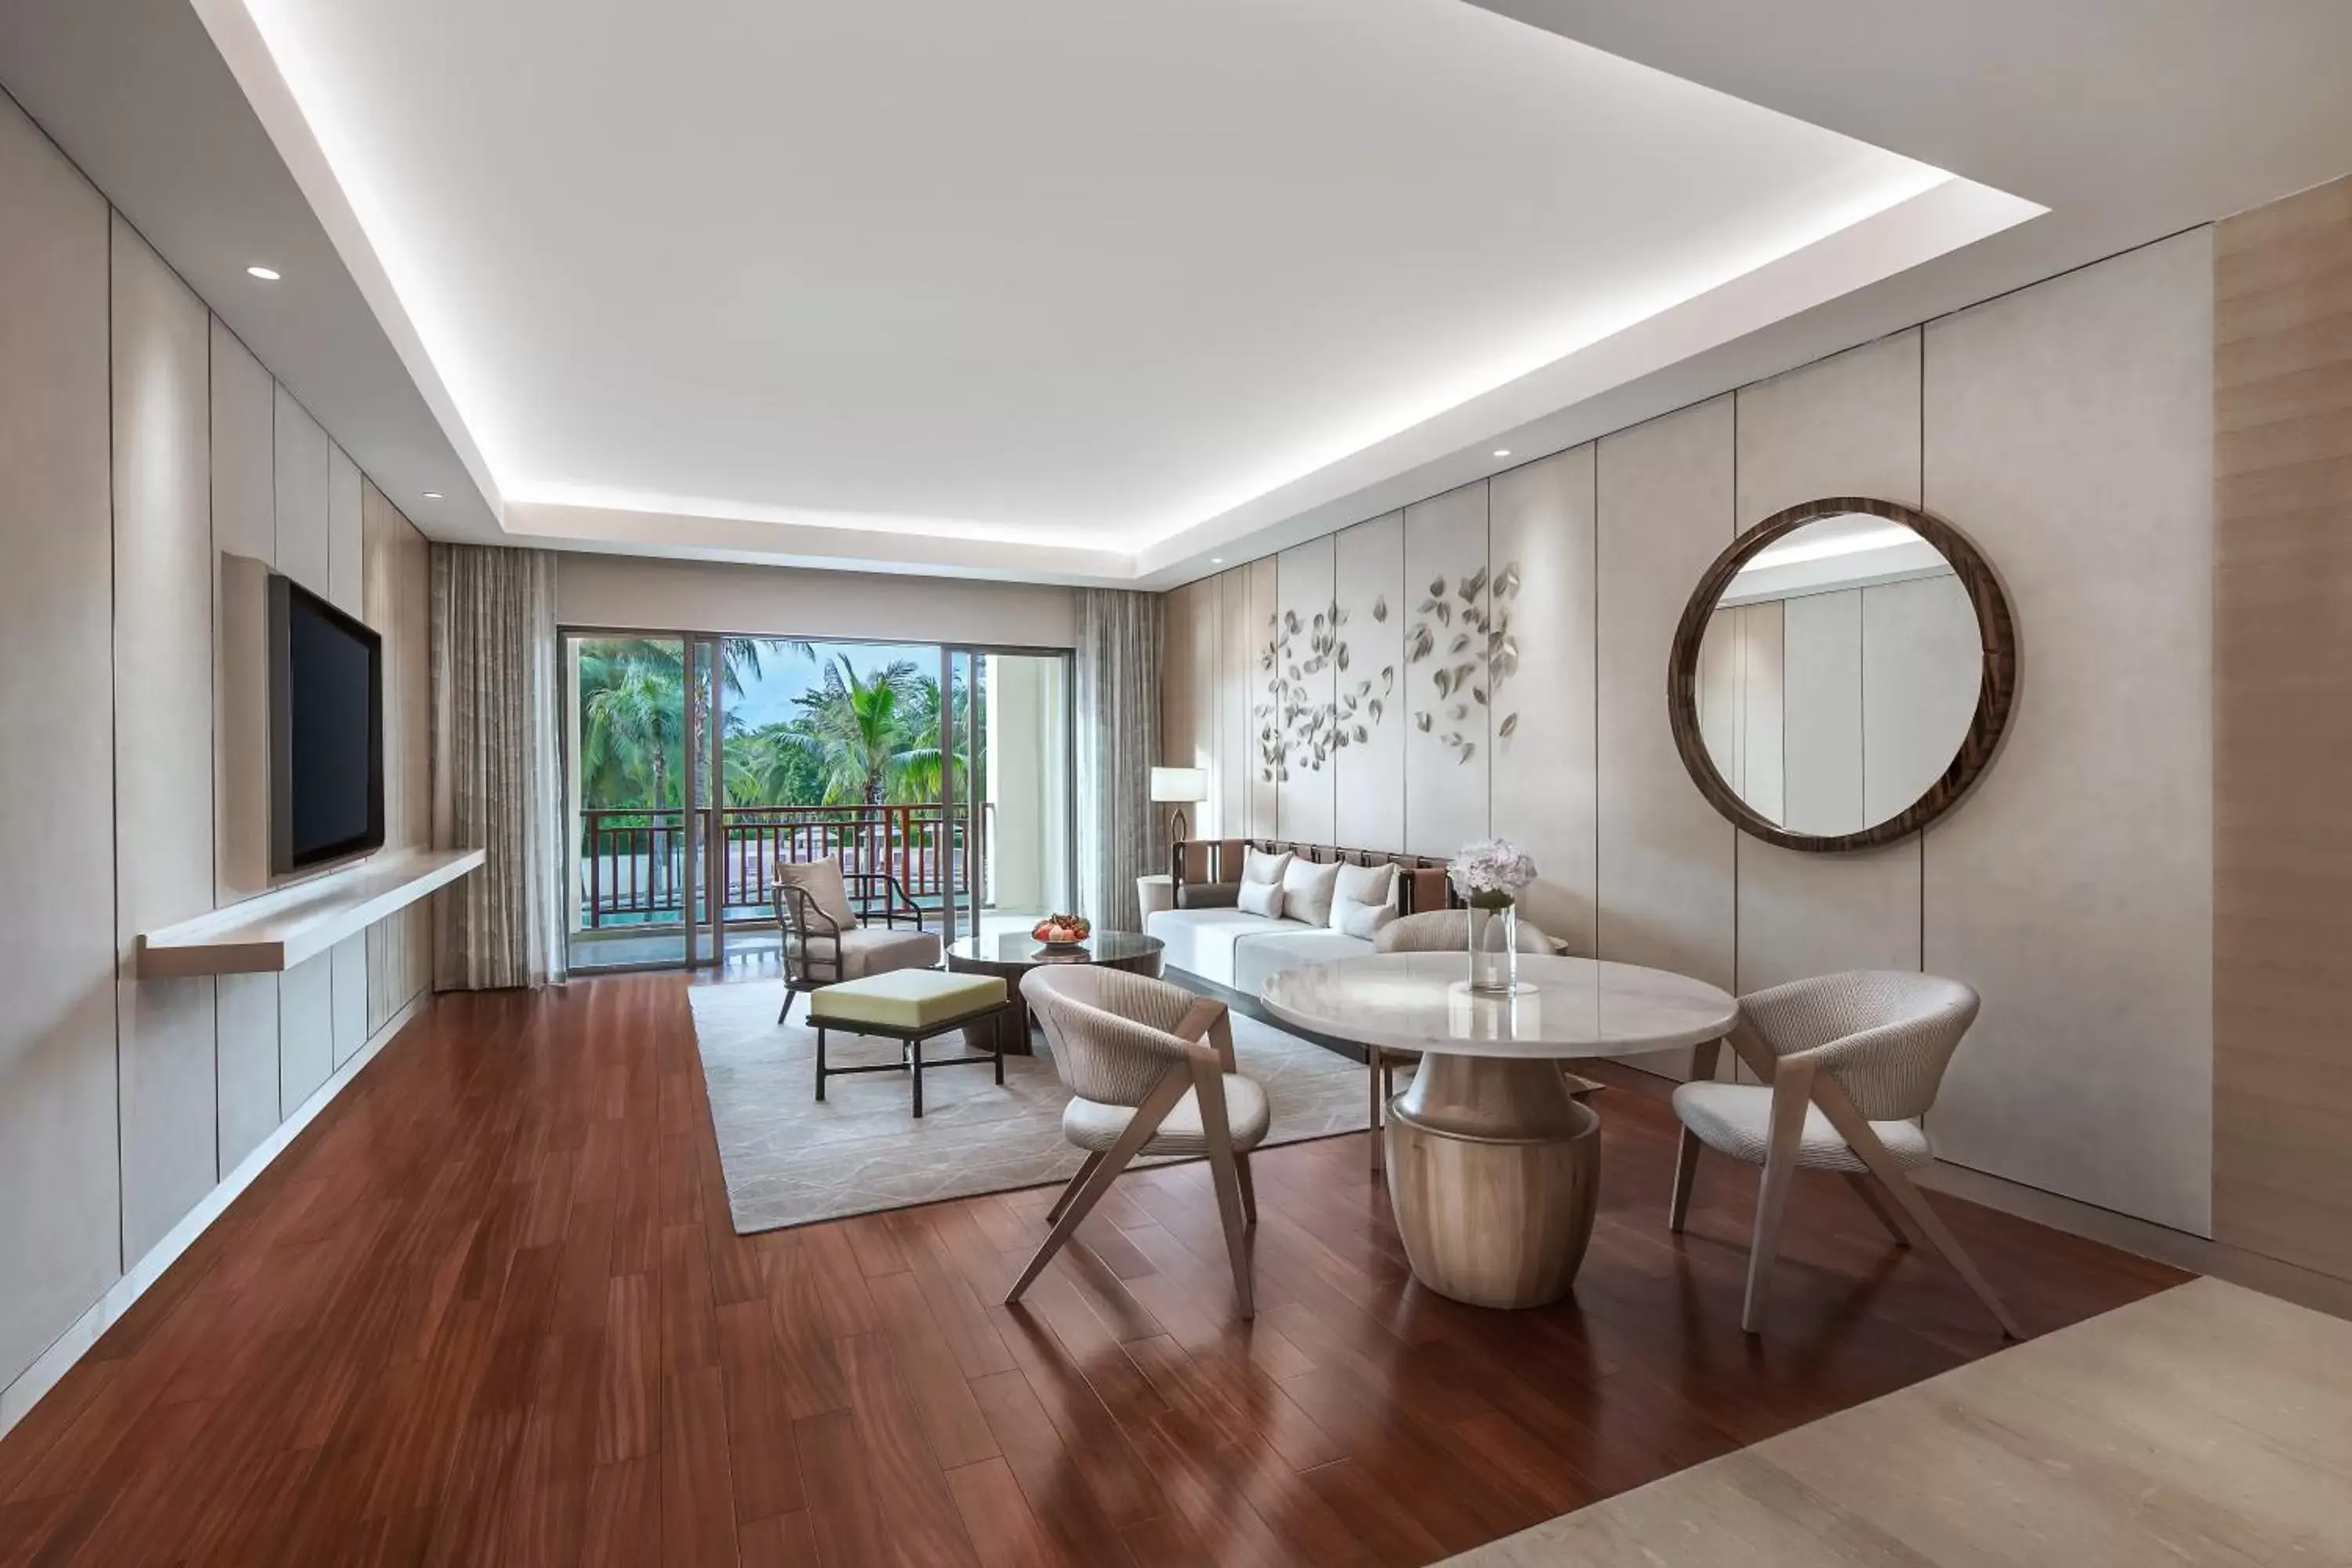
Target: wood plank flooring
pixel 489 1308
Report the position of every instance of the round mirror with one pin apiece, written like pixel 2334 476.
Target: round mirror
pixel 1843 673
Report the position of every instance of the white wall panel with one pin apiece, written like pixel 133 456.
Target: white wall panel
pixel 2070 435
pixel 1845 426
pixel 349 1004
pixel 162 731
pixel 1370 770
pixel 1923 674
pixel 304 481
pixel 306 1030
pixel 1265 698
pixel 245 1016
pixel 1665 856
pixel 1821 744
pixel 1448 742
pixel 1540 549
pixel 1307 667
pixel 1761 700
pixel 60 1216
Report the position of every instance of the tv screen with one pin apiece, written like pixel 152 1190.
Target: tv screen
pixel 326 730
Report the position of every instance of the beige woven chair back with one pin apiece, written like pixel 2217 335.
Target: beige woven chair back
pixel 1109 1030
pixel 1447 930
pixel 1887 1035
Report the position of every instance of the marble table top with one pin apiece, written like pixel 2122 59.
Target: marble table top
pixel 1564 1006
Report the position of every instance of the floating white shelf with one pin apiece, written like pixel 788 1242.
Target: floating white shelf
pixel 281 928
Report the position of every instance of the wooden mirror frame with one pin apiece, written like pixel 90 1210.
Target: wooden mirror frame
pixel 1994 696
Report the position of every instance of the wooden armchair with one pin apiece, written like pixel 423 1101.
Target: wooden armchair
pixel 830 937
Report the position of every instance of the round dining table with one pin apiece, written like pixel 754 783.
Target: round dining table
pixel 1494 1169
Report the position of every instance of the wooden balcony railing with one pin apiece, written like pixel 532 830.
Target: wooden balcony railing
pixel 633 863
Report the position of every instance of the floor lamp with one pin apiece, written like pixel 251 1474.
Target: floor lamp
pixel 1179 787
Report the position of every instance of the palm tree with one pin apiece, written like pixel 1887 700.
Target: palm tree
pixel 858 726
pixel 632 719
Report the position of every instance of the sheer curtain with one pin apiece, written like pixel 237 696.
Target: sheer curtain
pixel 498 773
pixel 1118 739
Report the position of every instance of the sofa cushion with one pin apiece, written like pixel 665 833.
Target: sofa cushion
pixel 1306 892
pixel 1260 955
pixel 1360 893
pixel 1201 941
pixel 1259 867
pixel 1361 920
pixel 822 882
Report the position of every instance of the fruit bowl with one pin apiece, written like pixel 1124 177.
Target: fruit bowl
pixel 1063 931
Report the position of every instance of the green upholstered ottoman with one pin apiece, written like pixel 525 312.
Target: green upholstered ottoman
pixel 909 1005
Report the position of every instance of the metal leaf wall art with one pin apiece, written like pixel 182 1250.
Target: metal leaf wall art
pixel 1293 727
pixel 1461 629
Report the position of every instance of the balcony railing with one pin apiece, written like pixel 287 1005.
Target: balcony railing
pixel 633 863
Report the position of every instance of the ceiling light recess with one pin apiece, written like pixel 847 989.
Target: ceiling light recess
pixel 267 274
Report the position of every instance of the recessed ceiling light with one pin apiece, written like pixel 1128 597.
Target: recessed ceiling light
pixel 1502 451
pixel 1216 561
pixel 267 274
pixel 432 495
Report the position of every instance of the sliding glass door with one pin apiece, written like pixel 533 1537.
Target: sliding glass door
pixel 697 761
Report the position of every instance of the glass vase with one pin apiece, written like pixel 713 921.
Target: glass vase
pixel 1495 947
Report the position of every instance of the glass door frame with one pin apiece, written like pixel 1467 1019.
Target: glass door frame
pixel 976 848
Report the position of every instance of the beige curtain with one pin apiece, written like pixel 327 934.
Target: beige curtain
pixel 497 767
pixel 1119 836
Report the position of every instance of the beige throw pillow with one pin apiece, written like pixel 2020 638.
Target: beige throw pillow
pixel 1261 899
pixel 1306 892
pixel 1259 867
pixel 822 880
pixel 1364 899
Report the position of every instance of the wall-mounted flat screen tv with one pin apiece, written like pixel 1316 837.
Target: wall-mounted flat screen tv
pixel 326 732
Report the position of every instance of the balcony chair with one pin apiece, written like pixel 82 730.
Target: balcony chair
pixel 1435 931
pixel 826 941
pixel 1150 1067
pixel 1850 1063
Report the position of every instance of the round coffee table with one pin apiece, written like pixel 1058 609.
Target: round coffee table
pixel 1010 955
pixel 1493 1170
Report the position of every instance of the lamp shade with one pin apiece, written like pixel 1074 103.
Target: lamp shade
pixel 1180 785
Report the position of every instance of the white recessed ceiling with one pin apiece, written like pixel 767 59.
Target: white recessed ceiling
pixel 1080 277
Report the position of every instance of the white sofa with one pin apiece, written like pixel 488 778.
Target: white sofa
pixel 1238 949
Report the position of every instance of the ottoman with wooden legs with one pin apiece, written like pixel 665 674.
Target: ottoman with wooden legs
pixel 911 1006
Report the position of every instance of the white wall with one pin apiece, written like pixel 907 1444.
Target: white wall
pixel 138 441
pixel 2067 430
pixel 625 592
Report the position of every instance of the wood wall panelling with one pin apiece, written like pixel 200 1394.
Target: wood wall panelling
pixel 1265 698
pixel 1844 426
pixel 1236 759
pixel 60 1218
pixel 1448 745
pixel 1666 856
pixel 2282 871
pixel 163 732
pixel 1369 772
pixel 1306 671
pixel 2069 435
pixel 1202 738
pixel 1540 555
pixel 346 533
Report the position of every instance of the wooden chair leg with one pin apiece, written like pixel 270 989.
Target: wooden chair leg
pixel 1249 1187
pixel 1856 1132
pixel 1878 1205
pixel 1139 1129
pixel 1209 1086
pixel 1685 1173
pixel 1075 1181
pixel 1790 1099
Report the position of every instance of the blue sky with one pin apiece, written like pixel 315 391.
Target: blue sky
pixel 785 674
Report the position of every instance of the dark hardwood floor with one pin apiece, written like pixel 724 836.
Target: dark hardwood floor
pixel 489 1310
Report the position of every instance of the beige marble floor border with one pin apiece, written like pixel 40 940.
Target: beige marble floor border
pixel 2205 1425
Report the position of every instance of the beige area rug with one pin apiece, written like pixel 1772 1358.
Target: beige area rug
pixel 2204 1425
pixel 790 1160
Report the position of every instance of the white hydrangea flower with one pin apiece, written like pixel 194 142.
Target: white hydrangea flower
pixel 1492 871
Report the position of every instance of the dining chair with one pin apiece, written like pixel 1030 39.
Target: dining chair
pixel 1150 1067
pixel 1434 931
pixel 1850 1063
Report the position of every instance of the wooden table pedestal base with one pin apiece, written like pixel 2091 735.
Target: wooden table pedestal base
pixel 1494 1174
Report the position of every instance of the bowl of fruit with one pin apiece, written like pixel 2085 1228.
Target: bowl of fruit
pixel 1063 931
